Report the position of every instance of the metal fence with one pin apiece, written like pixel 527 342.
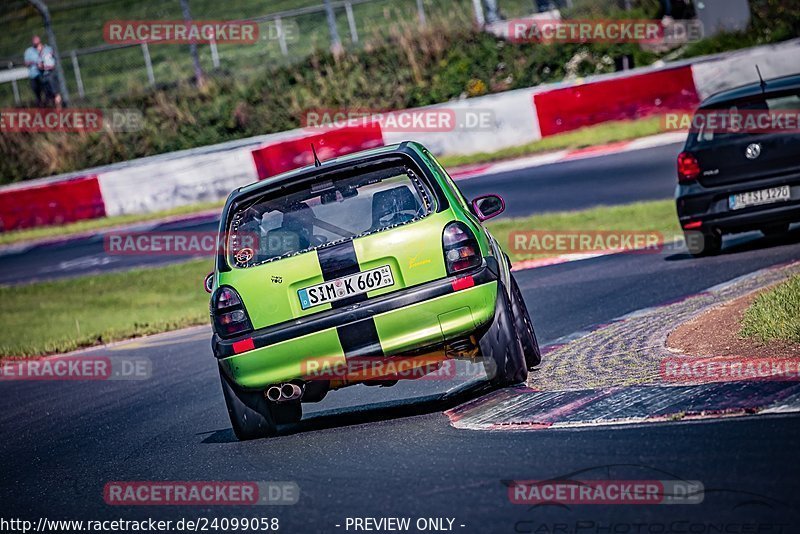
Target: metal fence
pixel 103 70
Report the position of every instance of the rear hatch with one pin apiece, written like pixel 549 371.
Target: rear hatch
pixel 727 158
pixel 334 241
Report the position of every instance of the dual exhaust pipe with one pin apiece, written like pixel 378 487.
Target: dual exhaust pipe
pixel 284 392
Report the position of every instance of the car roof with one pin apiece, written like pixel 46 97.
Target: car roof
pixel 308 171
pixel 746 92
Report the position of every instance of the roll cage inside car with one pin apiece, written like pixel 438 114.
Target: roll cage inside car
pixel 402 156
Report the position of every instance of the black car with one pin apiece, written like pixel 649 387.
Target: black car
pixel 741 176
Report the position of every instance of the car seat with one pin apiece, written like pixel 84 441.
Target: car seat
pixel 392 206
pixel 294 234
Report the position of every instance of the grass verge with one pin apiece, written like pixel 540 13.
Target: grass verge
pixel 775 314
pixel 658 216
pixel 30 234
pixel 609 132
pixel 64 315
pixel 600 134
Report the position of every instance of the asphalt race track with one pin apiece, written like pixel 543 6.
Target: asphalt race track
pixel 63 441
pixel 647 174
pixel 617 179
pixel 391 452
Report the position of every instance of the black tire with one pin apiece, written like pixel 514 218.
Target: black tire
pixel 501 348
pixel 524 327
pixel 701 244
pixel 775 230
pixel 250 412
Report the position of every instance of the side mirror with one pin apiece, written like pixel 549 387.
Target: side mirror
pixel 208 283
pixel 488 206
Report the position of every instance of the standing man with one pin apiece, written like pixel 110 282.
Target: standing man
pixel 34 74
pixel 49 77
pixel 667 7
pixel 492 14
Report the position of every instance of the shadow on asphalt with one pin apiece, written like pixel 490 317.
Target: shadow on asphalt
pixel 369 413
pixel 747 243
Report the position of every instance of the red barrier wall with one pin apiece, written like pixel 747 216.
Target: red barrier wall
pixel 287 155
pixel 56 203
pixel 570 108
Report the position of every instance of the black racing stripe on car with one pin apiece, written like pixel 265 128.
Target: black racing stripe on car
pixel 337 261
pixel 333 318
pixel 360 339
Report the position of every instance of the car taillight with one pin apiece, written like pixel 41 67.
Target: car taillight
pixel 228 313
pixel 461 250
pixel 688 167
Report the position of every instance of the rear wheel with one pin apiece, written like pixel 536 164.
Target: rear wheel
pixel 703 244
pixel 250 412
pixel 524 327
pixel 501 347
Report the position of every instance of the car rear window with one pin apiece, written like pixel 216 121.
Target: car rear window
pixel 707 138
pixel 325 212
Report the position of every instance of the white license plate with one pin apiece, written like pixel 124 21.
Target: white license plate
pixel 757 198
pixel 346 286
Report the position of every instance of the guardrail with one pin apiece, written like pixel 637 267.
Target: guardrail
pixel 291 35
pixel 13 76
pixel 199 175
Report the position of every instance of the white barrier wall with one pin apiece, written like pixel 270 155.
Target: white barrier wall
pixel 158 186
pixel 511 121
pixel 210 173
pixel 739 68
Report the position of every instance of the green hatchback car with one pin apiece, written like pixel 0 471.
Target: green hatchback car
pixel 375 256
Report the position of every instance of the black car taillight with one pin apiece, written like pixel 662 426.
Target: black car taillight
pixel 228 313
pixel 461 250
pixel 688 167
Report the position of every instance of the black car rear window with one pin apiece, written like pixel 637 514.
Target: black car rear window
pixel 326 211
pixel 780 102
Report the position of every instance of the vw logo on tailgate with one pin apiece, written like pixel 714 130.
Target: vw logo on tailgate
pixel 753 151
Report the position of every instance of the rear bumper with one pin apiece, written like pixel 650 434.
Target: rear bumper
pixel 709 207
pixel 425 316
